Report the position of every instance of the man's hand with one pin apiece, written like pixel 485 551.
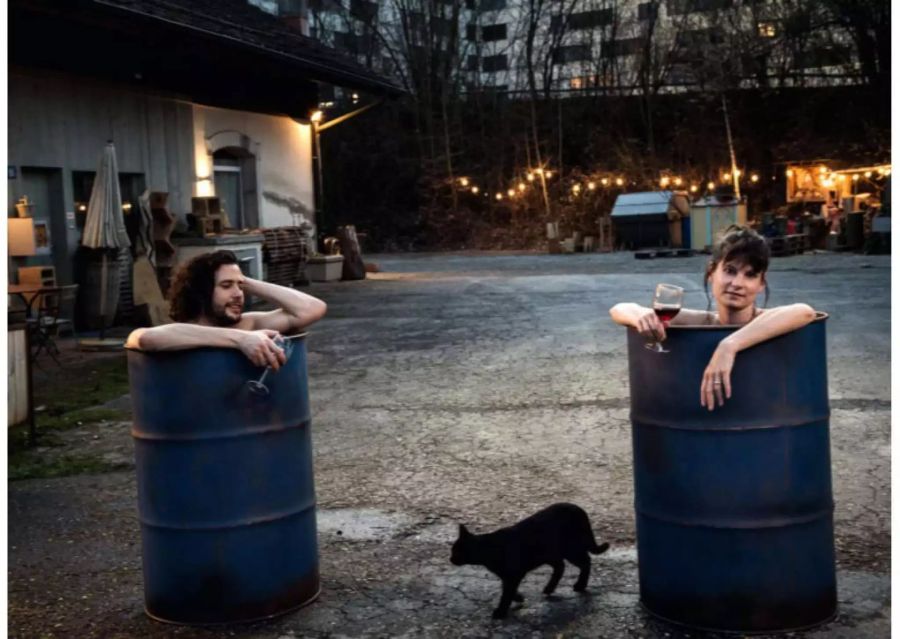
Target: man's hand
pixel 261 349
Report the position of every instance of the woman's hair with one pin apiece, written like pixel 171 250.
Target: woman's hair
pixel 191 293
pixel 739 244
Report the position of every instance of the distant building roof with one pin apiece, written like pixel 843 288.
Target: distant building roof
pixel 649 203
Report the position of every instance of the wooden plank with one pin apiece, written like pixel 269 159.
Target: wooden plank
pixel 17 378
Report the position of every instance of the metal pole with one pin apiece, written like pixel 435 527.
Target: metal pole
pixel 734 176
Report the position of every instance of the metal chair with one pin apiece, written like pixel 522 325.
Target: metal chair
pixel 53 315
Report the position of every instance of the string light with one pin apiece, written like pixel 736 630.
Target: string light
pixel 619 181
pixel 664 182
pixel 591 186
pixel 604 181
pixel 521 186
pixel 789 173
pixel 548 174
pixel 511 192
pixel 710 185
pixel 499 196
pixel 474 190
pixel 530 177
pixel 576 189
pixel 737 173
pixel 754 178
pixel 823 169
pixel 693 188
pixel 464 181
pixel 678 181
pixel 855 177
pixel 726 177
pixel 867 174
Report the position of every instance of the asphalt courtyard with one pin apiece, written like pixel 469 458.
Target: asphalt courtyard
pixel 476 388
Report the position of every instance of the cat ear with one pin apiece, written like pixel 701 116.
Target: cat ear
pixel 463 531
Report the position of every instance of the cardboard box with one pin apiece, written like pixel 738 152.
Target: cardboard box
pixel 324 268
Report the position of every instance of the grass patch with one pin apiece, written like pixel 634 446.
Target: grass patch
pixel 32 466
pixel 75 388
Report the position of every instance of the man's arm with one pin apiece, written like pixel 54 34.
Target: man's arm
pixel 258 346
pixel 296 310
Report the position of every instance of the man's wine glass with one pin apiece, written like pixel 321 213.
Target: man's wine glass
pixel 256 386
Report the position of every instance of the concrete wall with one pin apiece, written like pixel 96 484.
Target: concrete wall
pixel 282 149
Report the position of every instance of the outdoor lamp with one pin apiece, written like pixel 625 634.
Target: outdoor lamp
pixel 20 236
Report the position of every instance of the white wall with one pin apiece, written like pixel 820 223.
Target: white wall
pixel 283 151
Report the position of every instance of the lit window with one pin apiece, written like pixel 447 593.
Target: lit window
pixel 576 83
pixel 767 29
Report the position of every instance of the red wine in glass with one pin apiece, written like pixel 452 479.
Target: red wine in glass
pixel 666 304
pixel 666 312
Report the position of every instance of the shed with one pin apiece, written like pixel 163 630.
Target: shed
pixel 712 215
pixel 650 218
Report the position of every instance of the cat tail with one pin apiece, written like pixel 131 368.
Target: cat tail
pixel 599 550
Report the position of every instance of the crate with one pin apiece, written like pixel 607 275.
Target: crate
pixel 324 268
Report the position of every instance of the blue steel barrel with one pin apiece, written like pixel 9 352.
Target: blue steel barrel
pixel 225 485
pixel 734 507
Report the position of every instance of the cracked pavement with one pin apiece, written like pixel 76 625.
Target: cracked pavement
pixel 475 388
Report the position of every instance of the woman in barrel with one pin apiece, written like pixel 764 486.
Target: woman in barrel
pixel 737 273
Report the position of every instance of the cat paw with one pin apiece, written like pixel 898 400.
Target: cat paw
pixel 518 597
pixel 499 614
pixel 580 588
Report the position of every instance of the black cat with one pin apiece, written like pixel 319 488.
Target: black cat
pixel 560 531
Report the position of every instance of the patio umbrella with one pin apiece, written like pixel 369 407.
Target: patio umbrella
pixel 104 227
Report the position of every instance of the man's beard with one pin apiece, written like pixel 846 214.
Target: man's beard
pixel 221 318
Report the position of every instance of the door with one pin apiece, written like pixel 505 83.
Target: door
pixel 230 193
pixel 44 189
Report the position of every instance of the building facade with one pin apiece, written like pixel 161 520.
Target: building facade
pixel 200 99
pixel 609 46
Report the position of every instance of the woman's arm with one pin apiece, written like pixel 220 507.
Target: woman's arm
pixel 716 384
pixel 645 321
pixel 258 346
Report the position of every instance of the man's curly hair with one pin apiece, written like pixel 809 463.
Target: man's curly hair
pixel 191 292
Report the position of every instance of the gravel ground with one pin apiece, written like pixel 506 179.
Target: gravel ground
pixel 472 388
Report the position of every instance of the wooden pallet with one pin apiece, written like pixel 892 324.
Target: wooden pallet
pixel 663 252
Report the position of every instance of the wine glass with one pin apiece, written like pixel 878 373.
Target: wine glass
pixel 666 304
pixel 256 386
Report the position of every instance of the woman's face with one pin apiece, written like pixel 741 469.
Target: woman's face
pixel 735 285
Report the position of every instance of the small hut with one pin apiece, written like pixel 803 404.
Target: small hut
pixel 650 219
pixel 713 214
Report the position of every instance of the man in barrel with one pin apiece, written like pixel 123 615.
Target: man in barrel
pixel 207 304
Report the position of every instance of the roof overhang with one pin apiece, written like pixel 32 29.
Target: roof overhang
pixel 119 41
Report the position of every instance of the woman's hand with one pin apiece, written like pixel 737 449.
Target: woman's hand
pixel 716 384
pixel 261 349
pixel 649 325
